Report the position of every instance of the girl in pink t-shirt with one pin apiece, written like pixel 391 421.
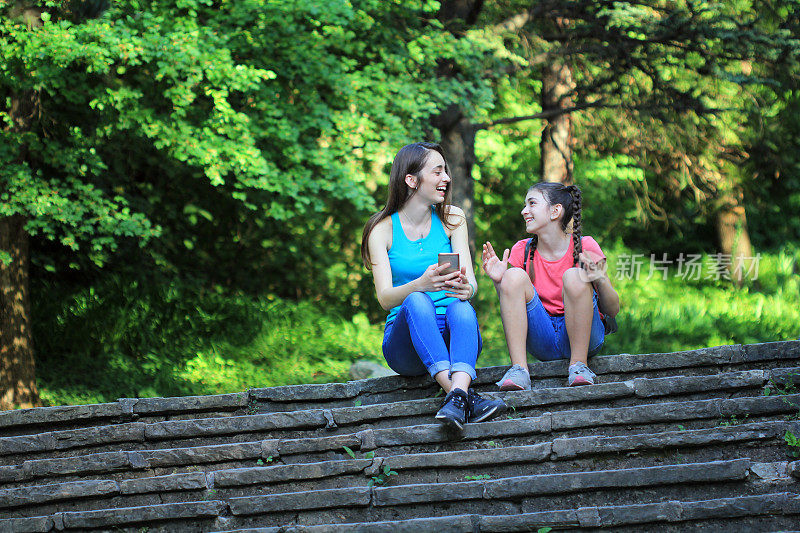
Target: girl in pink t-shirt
pixel 552 288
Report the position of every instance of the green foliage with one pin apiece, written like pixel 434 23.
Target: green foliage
pixel 477 477
pixel 793 442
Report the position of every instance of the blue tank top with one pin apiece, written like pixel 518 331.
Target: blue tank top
pixel 409 259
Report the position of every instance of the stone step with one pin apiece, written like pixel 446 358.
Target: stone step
pixel 613 368
pixel 511 496
pixel 746 513
pixel 560 456
pixel 400 440
pixel 405 413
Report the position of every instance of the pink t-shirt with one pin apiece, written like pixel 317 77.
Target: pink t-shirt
pixel 548 274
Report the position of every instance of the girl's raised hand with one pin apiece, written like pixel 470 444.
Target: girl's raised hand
pixel 593 267
pixel 493 265
pixel 433 279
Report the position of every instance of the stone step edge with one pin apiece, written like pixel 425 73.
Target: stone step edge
pixel 507 488
pixel 371 439
pixel 344 416
pixel 673 511
pixel 558 449
pixel 622 364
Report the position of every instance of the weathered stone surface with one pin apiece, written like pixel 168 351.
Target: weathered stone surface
pixel 36 524
pixel 9 474
pixel 793 469
pixel 173 482
pixel 204 454
pixel 760 405
pixel 507 428
pixel 367 440
pixel 335 442
pixel 272 474
pixel 646 387
pixel 626 363
pixel 356 415
pixel 732 507
pixel 206 427
pixel 410 435
pixel 512 454
pixel 270 448
pixel 84 464
pixel 595 444
pixel 633 477
pixel 753 353
pixel 222 402
pixel 150 513
pixel 770 472
pixel 528 521
pixel 47 415
pixel 429 492
pixel 639 414
pixel 295 501
pixel 588 516
pixel 72 438
pixel 40 494
pixel 322 391
pixel 539 397
pixel 639 514
pixel 444 524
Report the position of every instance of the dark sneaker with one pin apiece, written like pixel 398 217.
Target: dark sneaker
pixel 454 411
pixel 580 374
pixel 480 408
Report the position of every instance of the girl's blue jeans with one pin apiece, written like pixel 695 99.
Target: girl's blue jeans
pixel 418 340
pixel 547 334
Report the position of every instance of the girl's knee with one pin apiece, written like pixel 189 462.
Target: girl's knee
pixel 575 282
pixel 514 281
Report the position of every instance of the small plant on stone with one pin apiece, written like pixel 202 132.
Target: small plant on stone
pixel 774 388
pixel 261 462
pixel 210 494
pixel 681 428
pixel 477 477
pixel 512 413
pixel 357 403
pixel 733 420
pixel 793 442
pixel 352 454
pixel 381 478
pixel 544 530
pixel 492 444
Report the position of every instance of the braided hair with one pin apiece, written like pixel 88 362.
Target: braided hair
pixel 570 198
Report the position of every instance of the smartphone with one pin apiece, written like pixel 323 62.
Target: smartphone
pixel 449 258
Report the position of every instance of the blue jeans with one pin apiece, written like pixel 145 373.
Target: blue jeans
pixel 547 334
pixel 419 340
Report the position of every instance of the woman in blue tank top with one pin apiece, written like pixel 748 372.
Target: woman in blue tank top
pixel 431 326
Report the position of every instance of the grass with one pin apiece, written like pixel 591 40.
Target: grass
pixel 150 337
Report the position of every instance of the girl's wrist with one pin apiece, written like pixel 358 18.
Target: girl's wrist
pixel 473 290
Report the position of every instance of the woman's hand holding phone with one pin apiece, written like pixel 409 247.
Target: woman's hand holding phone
pixel 434 279
pixel 460 287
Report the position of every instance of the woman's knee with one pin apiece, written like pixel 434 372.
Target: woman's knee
pixel 461 312
pixel 419 301
pixel 575 282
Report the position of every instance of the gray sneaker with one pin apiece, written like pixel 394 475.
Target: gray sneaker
pixel 580 374
pixel 515 378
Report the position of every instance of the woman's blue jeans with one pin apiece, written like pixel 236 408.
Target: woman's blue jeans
pixel 419 340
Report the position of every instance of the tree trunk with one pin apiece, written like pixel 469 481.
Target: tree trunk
pixel 734 239
pixel 17 376
pixel 457 133
pixel 556 143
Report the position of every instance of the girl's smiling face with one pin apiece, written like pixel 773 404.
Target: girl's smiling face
pixel 536 212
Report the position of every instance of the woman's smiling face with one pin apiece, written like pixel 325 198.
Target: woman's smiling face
pixel 433 180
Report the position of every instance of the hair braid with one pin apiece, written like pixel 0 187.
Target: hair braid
pixel 534 242
pixel 577 201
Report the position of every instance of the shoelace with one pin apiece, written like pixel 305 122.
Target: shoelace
pixel 458 400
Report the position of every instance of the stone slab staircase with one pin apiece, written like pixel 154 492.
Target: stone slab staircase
pixel 681 441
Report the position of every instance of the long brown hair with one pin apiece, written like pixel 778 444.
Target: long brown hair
pixel 571 200
pixel 409 160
